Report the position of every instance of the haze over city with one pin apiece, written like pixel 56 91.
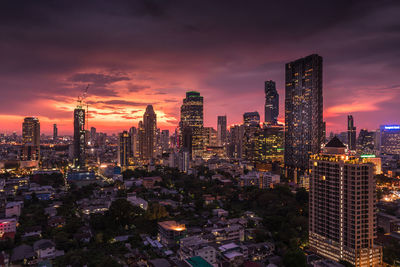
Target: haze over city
pixel 135 53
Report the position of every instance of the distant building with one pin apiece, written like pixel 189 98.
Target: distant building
pixel 251 118
pixel 13 209
pixel 165 140
pixel 259 179
pixel 170 232
pixel 271 103
pixel 79 137
pixel 150 128
pixel 31 138
pixel 366 142
pixel 124 149
pixel 196 246
pixel 351 133
pixel 55 131
pixel 390 139
pixel 271 143
pixel 8 228
pixel 342 220
pixel 221 130
pixel 304 127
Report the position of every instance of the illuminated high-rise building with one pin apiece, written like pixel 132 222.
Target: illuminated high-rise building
pixel 150 129
pixel 221 130
pixel 79 137
pixel 271 139
pixel 93 136
pixel 390 139
pixel 31 138
pixel 251 118
pixel 135 141
pixel 271 102
pixel 55 132
pixel 191 124
pixel 210 136
pixel 303 113
pixel 125 149
pixel 235 147
pixel 366 142
pixel 342 208
pixel 351 133
pixel 141 140
pixel 165 142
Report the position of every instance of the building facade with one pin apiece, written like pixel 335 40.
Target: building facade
pixel 191 124
pixel 31 138
pixel 271 102
pixel 390 139
pixel 303 113
pixel 351 133
pixel 125 154
pixel 342 209
pixel 221 130
pixel 150 129
pixel 79 137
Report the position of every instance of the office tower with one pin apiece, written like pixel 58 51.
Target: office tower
pixel 141 140
pixel 342 209
pixel 150 128
pixel 55 132
pixel 251 118
pixel 221 130
pixel 210 136
pixel 93 136
pixel 303 113
pixel 31 138
pixel 271 103
pixel 79 137
pixel 251 125
pixel 165 140
pixel 390 139
pixel 134 141
pixel 235 147
pixel 351 133
pixel 125 149
pixel 366 142
pixel 270 145
pixel 191 124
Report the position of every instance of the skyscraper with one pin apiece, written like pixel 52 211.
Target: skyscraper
pixel 303 113
pixel 135 142
pixel 55 132
pixel 31 138
pixel 191 124
pixel 342 209
pixel 390 139
pixel 251 118
pixel 79 137
pixel 271 103
pixel 221 130
pixel 150 128
pixel 165 140
pixel 124 149
pixel 351 133
pixel 93 136
pixel 366 142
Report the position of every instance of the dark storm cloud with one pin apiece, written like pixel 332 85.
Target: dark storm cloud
pixel 225 49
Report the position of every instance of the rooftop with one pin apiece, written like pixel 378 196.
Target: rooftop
pixel 172 225
pixel 198 262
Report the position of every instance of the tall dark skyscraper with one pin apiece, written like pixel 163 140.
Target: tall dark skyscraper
pixel 191 124
pixel 303 113
pixel 125 149
pixel 366 142
pixel 150 128
pixel 221 130
pixel 165 144
pixel 271 103
pixel 31 138
pixel 79 137
pixel 351 133
pixel 342 208
pixel 55 132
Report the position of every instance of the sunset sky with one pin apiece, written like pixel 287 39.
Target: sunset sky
pixel 134 53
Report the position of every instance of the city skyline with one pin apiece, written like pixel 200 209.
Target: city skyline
pixel 225 68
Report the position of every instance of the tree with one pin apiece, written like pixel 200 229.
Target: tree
pixel 294 258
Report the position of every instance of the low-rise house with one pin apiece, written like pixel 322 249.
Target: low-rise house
pixel 13 209
pixel 148 182
pixel 220 212
pixel 22 253
pixel 259 179
pixel 231 233
pixel 137 201
pixel 8 228
pixel 44 248
pixel 170 232
pixel 56 221
pixel 33 231
pixel 196 246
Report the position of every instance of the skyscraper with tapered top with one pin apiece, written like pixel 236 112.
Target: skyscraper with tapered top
pixel 304 127
pixel 271 102
pixel 351 133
